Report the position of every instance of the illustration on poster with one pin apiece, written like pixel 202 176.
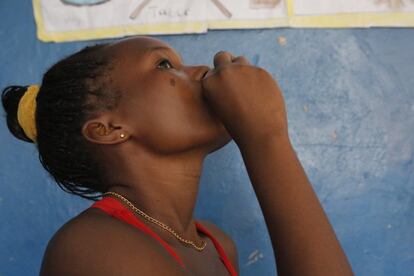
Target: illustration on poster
pixel 267 4
pixel 253 4
pixel 83 2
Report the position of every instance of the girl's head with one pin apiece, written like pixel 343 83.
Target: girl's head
pixel 107 101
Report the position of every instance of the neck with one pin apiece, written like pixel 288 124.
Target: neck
pixel 164 187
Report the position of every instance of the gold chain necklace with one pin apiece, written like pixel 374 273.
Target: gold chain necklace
pixel 153 220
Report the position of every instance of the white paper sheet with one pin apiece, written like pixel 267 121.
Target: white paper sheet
pixel 326 7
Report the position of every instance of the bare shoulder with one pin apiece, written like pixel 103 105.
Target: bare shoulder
pixel 93 244
pixel 225 240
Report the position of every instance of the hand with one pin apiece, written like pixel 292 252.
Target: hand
pixel 246 99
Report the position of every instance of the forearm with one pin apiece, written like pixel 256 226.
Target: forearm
pixel 303 239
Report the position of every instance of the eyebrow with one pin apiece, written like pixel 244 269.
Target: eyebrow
pixel 163 48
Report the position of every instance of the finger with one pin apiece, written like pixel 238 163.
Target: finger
pixel 241 60
pixel 222 58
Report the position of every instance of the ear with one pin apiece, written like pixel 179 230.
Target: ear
pixel 101 130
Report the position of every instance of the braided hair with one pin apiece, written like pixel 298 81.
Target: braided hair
pixel 72 91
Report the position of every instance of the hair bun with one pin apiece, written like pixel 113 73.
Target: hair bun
pixel 10 98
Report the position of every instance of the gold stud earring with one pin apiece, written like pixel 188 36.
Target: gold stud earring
pixel 122 135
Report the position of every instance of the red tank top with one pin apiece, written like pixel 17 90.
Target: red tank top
pixel 116 209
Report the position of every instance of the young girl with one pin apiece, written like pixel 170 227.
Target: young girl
pixel 130 122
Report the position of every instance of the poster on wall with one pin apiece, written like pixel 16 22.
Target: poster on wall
pixel 69 20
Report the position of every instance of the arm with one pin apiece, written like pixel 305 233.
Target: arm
pixel 302 237
pixel 251 106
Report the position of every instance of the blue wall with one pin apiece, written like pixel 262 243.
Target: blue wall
pixel 350 101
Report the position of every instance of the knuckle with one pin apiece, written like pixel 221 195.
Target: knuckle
pixel 222 53
pixel 224 71
pixel 262 72
pixel 242 58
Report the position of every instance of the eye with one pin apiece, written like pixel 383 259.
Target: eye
pixel 165 64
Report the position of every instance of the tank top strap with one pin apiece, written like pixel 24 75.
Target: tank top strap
pixel 219 249
pixel 115 209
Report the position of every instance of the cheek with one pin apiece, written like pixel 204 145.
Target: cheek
pixel 178 101
pixel 171 128
pixel 174 115
pixel 175 123
pixel 169 114
pixel 172 82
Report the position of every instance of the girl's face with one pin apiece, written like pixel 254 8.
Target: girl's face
pixel 162 102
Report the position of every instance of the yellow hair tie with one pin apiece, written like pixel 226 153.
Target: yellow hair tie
pixel 27 110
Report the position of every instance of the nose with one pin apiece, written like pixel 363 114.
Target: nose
pixel 197 72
